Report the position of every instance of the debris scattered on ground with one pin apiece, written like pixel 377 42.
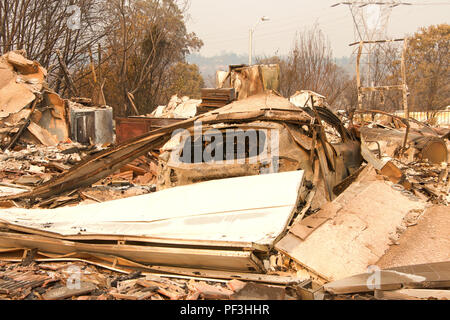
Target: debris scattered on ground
pixel 331 196
pixel 81 281
pixel 412 282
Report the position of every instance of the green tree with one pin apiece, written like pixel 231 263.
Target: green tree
pixel 310 66
pixel 185 80
pixel 146 38
pixel 428 73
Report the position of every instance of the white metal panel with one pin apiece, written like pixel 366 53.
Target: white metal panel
pixel 254 209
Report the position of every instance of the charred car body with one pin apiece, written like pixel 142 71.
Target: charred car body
pixel 261 134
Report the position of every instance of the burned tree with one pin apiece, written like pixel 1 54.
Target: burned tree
pixel 43 27
pixel 146 40
pixel 310 66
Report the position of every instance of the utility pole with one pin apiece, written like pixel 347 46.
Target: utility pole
pixel 362 90
pixel 250 38
pixel 250 46
pixel 404 86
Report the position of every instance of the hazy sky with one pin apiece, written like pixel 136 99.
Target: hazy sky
pixel 224 25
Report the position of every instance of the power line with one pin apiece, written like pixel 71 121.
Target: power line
pixel 275 32
pixel 275 23
pixel 276 41
pixel 371 19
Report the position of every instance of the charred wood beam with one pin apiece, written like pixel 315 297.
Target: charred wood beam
pixel 70 84
pixel 23 127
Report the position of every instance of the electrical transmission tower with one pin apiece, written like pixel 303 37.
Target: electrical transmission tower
pixel 371 20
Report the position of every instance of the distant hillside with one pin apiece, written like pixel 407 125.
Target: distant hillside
pixel 209 65
pixel 348 64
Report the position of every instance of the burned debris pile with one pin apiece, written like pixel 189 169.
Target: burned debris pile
pixel 31 113
pixel 241 195
pixel 413 155
pixel 22 81
pixel 45 279
pixel 43 135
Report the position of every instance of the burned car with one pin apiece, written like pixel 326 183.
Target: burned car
pixel 259 134
pixel 263 133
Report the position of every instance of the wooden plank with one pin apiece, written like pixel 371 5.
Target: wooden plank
pixel 66 292
pixel 210 292
pixel 433 275
pixel 42 135
pixel 255 291
pixel 305 227
pixel 135 169
pixel 248 246
pixel 214 274
pixel 211 104
pixel 437 274
pixel 121 296
pixel 121 265
pixel 223 93
pixel 183 257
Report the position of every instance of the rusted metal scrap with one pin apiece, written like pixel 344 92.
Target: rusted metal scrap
pixel 400 135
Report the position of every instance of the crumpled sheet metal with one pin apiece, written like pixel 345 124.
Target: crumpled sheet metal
pixel 20 79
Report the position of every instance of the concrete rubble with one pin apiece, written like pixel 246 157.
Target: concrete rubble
pixel 319 207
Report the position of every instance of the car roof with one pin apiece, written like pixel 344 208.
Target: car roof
pixel 264 101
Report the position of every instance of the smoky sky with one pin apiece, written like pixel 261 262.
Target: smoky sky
pixel 224 25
